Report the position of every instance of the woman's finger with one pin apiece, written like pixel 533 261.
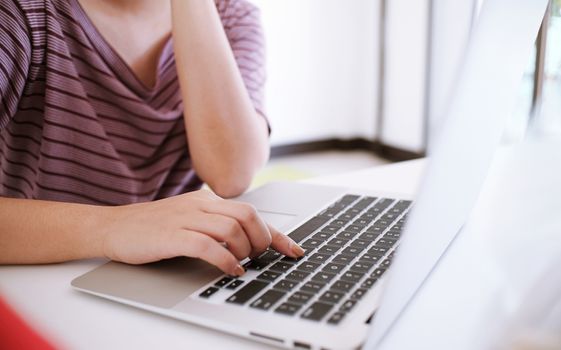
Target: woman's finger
pixel 198 245
pixel 284 244
pixel 255 228
pixel 228 230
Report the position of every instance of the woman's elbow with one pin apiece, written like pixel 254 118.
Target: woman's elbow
pixel 230 187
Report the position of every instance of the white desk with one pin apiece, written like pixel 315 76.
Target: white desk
pixel 446 314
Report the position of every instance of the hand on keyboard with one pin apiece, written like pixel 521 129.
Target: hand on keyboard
pixel 197 224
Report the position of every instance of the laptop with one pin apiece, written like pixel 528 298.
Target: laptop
pixel 363 263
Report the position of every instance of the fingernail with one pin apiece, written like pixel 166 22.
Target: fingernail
pixel 239 271
pixel 296 249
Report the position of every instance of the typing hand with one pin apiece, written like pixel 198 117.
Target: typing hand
pixel 197 224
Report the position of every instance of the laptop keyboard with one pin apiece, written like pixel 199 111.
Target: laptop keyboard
pixel 348 247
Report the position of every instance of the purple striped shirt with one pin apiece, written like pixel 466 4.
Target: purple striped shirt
pixel 76 125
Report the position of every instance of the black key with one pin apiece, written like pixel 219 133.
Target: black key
pixel 386 263
pixel 352 276
pixel 281 266
pixel 331 296
pixel 312 287
pixel 354 228
pixel 378 272
pixel 364 202
pixel 382 222
pixel 347 305
pixel 360 243
pixel 378 251
pixel 223 281
pixel 369 236
pixel 288 308
pixel 297 275
pixel 290 260
pixel 348 199
pixel 311 244
pixel 247 292
pixel 286 285
pixel 268 299
pixel 300 298
pixel 359 293
pixel 361 222
pixel 343 286
pixel 392 234
pixel 370 216
pixel 336 318
pixel 342 259
pixel 385 242
pixel 319 258
pixel 389 216
pixel 346 235
pixel 368 283
pixel 337 242
pixel 269 256
pixel 255 265
pixel 316 311
pixel 347 216
pixel 307 228
pixel 376 229
pixel 208 292
pixel 321 236
pixel 323 277
pixel 370 258
pixel 330 229
pixel 333 268
pixel 308 266
pixel 269 275
pixel 328 249
pixel 352 251
pixel 235 284
pixel 339 222
pixel 361 266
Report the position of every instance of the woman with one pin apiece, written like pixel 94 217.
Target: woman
pixel 108 127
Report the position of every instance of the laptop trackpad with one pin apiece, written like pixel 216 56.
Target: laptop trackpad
pixel 277 220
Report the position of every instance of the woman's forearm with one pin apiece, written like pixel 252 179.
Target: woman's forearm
pixel 228 141
pixel 33 231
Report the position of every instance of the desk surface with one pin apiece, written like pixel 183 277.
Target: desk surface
pixel 75 320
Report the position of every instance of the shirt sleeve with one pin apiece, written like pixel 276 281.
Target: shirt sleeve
pixel 242 24
pixel 15 56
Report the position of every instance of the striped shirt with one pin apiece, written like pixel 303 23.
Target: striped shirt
pixel 76 125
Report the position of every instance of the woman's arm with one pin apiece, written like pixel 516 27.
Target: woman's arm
pixel 197 224
pixel 228 140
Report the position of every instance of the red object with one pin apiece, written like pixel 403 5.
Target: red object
pixel 16 334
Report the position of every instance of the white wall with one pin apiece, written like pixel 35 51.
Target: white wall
pixel 322 68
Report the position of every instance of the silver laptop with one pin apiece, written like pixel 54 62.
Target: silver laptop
pixel 329 298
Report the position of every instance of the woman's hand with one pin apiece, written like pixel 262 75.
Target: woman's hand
pixel 197 224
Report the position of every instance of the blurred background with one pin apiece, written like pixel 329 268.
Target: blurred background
pixel 358 83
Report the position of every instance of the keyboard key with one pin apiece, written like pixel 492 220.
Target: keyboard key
pixel 352 251
pixel 362 222
pixel 290 260
pixel 347 305
pixel 370 258
pixel 346 235
pixel 297 275
pixel 352 276
pixel 336 318
pixel 268 299
pixel 343 286
pixel 328 250
pixel 288 308
pixel 323 277
pixel 307 228
pixel 269 275
pixel 319 258
pixel 235 284
pixel 247 292
pixel 361 266
pixel 378 251
pixel 348 198
pixel 281 266
pixel 376 229
pixel 300 298
pixel 385 242
pixel 360 243
pixel 354 228
pixel 269 256
pixel 378 272
pixel 369 236
pixel 208 292
pixel 321 236
pixel 333 268
pixel 332 297
pixel 337 242
pixel 317 311
pixel 223 281
pixel 312 287
pixel 342 259
pixel 286 285
pixel 339 222
pixel 382 222
pixel 386 263
pixel 311 244
pixel 309 266
pixel 368 283
pixel 255 265
pixel 358 294
pixel 392 234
